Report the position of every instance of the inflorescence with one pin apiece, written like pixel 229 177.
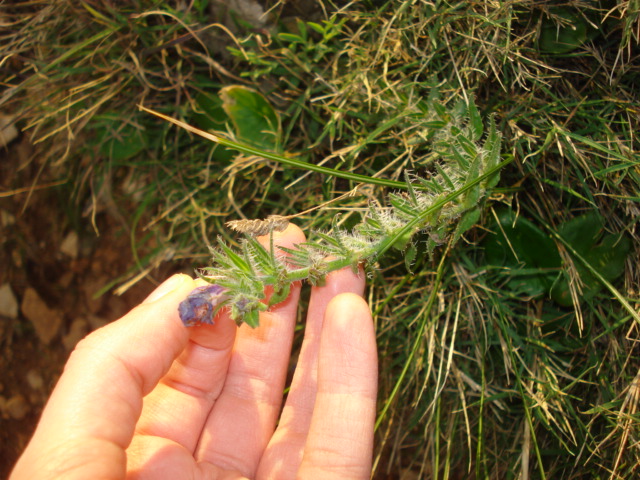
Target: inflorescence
pixel 445 204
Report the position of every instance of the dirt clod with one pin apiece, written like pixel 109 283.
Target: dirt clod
pixel 15 407
pixel 78 330
pixel 8 302
pixel 45 320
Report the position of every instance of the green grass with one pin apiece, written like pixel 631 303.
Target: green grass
pixel 484 372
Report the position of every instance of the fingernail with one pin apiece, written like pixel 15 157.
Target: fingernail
pixel 167 287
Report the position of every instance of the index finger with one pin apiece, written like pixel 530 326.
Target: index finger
pixel 245 414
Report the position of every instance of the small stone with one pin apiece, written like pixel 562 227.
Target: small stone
pixel 16 256
pixel 79 329
pixel 45 320
pixel 8 130
pixel 7 219
pixel 92 287
pixel 407 474
pixel 70 245
pixel 65 279
pixel 8 302
pixel 250 11
pixel 34 379
pixel 96 322
pixel 16 407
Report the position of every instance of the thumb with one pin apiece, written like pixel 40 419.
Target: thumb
pixel 90 417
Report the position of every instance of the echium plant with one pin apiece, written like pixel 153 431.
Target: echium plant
pixel 465 167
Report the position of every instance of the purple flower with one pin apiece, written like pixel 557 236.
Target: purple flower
pixel 200 305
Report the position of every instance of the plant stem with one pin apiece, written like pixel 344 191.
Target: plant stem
pixel 379 247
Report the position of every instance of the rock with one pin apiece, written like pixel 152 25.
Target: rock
pixel 70 245
pixel 79 328
pixel 96 322
pixel 92 287
pixel 7 219
pixel 45 320
pixel 8 302
pixel 35 381
pixel 407 474
pixel 65 279
pixel 16 256
pixel 229 12
pixel 8 130
pixel 250 11
pixel 16 407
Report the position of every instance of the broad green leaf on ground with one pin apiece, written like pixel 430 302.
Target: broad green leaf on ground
pixel 212 117
pixel 563 33
pixel 254 120
pixel 532 264
pixel 122 142
pixel 605 252
pixel 528 256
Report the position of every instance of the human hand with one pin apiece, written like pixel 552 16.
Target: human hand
pixel 145 397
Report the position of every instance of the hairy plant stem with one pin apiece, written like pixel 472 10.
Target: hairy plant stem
pixel 462 169
pixel 378 248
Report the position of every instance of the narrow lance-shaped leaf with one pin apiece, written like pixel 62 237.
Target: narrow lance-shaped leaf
pixel 475 121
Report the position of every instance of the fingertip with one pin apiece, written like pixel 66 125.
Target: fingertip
pixel 175 282
pixel 349 342
pixel 346 307
pixel 288 238
pixel 341 282
pixel 292 232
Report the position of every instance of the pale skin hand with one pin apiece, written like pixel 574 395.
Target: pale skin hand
pixel 147 398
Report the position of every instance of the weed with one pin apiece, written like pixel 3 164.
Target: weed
pixel 484 373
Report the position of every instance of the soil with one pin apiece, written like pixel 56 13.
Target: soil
pixel 66 266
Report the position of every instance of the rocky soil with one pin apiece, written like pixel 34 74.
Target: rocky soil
pixel 57 276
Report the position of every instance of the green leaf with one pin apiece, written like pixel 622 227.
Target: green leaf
pixel 529 257
pixel 290 37
pixel 605 253
pixel 458 157
pixel 123 143
pixel 317 27
pixel 472 197
pixel 409 257
pixel 280 293
pixel 563 33
pixel 251 318
pixel 468 145
pixel 212 117
pixel 444 176
pixel 255 121
pixel 468 220
pixel 582 232
pixel 234 258
pixel 492 155
pixel 402 205
pixel 475 121
pixel 260 255
pixel 401 240
pixel 609 257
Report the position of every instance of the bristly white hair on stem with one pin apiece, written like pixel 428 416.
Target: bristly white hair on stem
pixel 445 204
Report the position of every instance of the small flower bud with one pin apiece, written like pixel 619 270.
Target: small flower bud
pixel 200 305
